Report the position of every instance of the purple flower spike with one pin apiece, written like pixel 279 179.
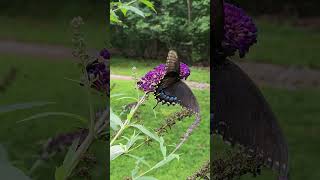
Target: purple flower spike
pixel 240 31
pixel 152 78
pixel 105 53
pixel 184 71
pixel 99 74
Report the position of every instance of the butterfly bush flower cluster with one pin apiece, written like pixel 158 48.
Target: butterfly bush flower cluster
pixel 98 72
pixel 240 31
pixel 148 82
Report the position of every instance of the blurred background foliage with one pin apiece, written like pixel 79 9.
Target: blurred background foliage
pixel 53 9
pixel 170 27
pixel 150 37
pixel 299 8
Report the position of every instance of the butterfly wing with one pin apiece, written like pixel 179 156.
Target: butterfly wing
pixel 184 94
pixel 242 116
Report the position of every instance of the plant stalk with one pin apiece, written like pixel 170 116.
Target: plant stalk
pixel 129 117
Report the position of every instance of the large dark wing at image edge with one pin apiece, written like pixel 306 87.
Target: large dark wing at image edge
pixel 242 116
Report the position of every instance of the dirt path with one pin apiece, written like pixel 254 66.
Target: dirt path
pixel 192 84
pixel 263 74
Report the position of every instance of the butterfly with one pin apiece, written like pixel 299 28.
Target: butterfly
pixel 171 89
pixel 241 114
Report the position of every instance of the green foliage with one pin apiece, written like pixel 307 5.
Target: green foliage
pixel 168 29
pixel 47 9
pixel 135 142
pixel 126 7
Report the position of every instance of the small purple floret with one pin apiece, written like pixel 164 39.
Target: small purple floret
pixel 99 73
pixel 105 53
pixel 152 78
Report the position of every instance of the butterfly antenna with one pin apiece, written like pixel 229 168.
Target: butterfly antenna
pixel 156 105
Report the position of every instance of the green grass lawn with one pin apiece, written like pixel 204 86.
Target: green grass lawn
pixel 286 45
pixel 193 153
pixel 123 66
pixel 57 32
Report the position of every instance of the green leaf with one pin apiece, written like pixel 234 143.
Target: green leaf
pixel 116 95
pixel 133 9
pixel 148 4
pixel 154 113
pixel 134 172
pixel 63 171
pixel 139 159
pixel 45 114
pixel 130 115
pixel 127 98
pixel 163 148
pixel 116 151
pixel 123 10
pixel 73 80
pixel 132 140
pixel 60 173
pixel 14 107
pixel 146 132
pixel 166 160
pixel 115 121
pixel 70 154
pixel 113 17
pixel 146 178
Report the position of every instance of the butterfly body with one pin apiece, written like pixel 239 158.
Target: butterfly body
pixel 171 90
pixel 171 77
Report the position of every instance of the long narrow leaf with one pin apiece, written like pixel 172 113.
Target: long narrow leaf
pixel 146 178
pixel 116 151
pixel 115 121
pixel 140 159
pixel 163 148
pixel 133 9
pixel 116 95
pixel 166 160
pixel 14 107
pixel 146 132
pixel 127 98
pixel 148 4
pixel 46 114
pixel 69 156
pixel 60 173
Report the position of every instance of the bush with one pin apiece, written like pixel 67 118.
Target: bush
pixel 152 36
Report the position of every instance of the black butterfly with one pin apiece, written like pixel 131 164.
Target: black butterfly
pixel 172 90
pixel 241 114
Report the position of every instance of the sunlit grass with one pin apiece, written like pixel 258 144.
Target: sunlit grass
pixel 193 153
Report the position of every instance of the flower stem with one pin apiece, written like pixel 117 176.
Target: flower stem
pixel 80 151
pixel 129 117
